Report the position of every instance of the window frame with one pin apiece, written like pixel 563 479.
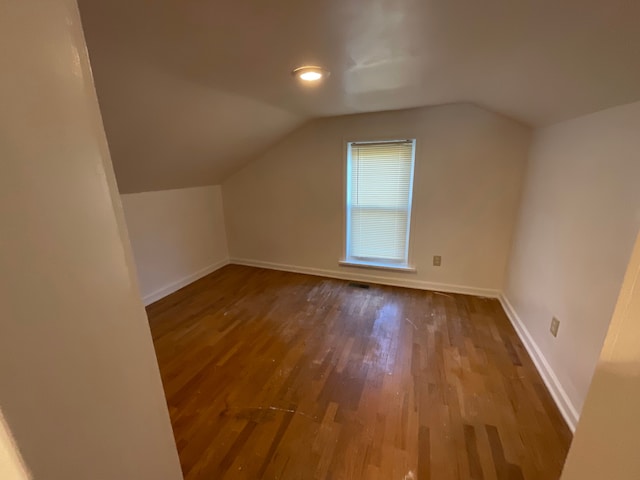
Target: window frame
pixel 375 262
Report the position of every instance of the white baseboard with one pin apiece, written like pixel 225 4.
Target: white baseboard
pixel 183 282
pixel 566 407
pixel 396 281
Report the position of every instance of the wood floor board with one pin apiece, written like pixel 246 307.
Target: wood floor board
pixel 275 375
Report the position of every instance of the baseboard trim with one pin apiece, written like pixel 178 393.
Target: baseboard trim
pixel 365 277
pixel 566 407
pixel 183 282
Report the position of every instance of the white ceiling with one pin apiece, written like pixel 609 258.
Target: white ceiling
pixel 191 90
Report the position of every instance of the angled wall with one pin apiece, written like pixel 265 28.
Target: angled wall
pixel 80 390
pixel 286 208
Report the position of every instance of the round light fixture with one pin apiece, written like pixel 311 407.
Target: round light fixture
pixel 310 73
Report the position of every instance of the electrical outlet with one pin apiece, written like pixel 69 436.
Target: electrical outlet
pixel 437 260
pixel 555 324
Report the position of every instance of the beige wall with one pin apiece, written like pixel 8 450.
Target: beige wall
pixel 80 389
pixel 578 220
pixel 177 237
pixel 606 441
pixel 287 207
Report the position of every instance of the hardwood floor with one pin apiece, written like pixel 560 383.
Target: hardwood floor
pixel 278 375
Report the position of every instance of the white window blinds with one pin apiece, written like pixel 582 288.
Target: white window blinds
pixel 379 190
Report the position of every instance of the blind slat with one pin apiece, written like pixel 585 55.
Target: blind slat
pixel 379 200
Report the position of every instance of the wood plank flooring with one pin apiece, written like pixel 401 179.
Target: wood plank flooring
pixel 278 375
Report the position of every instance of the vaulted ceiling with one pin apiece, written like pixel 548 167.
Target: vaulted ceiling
pixel 190 90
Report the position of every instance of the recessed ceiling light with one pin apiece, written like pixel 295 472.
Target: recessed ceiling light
pixel 310 73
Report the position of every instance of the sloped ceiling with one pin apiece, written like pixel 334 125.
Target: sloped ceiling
pixel 190 90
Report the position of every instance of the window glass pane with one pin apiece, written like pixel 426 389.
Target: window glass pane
pixel 378 233
pixel 379 200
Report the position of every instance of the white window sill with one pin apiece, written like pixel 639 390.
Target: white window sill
pixel 377 266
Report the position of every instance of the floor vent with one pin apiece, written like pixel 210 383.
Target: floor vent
pixel 358 285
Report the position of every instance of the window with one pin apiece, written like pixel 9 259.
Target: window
pixel 379 191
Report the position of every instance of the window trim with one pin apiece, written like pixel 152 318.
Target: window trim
pixel 376 263
pixel 378 266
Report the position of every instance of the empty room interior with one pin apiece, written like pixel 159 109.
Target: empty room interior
pixel 348 239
